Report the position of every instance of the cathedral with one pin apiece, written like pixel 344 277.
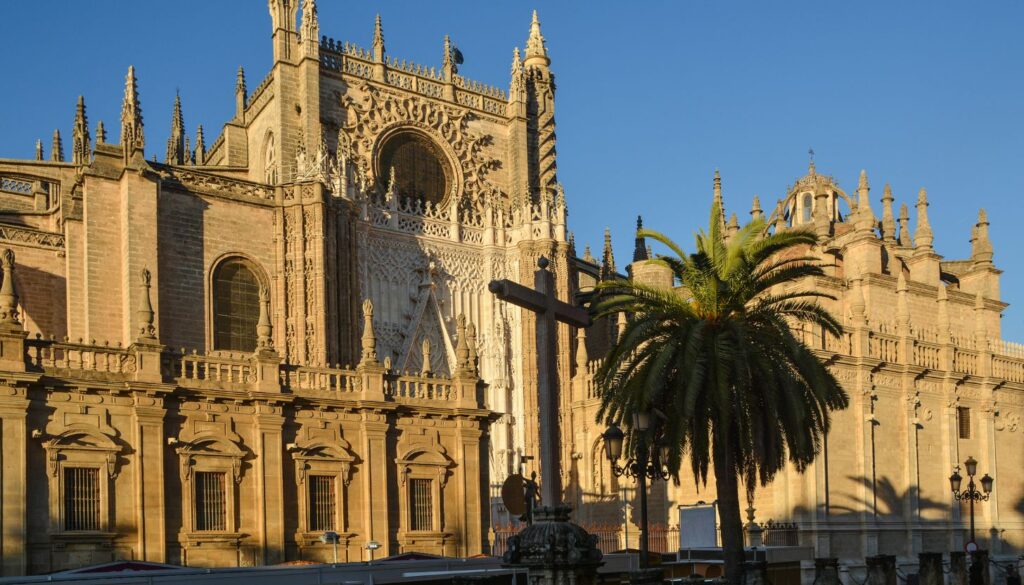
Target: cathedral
pixel 217 359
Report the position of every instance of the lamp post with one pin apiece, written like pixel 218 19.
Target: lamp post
pixel 646 464
pixel 372 546
pixel 971 494
pixel 331 537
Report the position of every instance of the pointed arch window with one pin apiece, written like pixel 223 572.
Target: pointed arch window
pixel 236 306
pixel 270 160
pixel 808 206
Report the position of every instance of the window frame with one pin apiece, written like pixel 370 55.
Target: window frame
pixel 209 454
pixel 963 422
pixel 79 447
pixel 322 458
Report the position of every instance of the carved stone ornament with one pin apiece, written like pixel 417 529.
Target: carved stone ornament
pixel 379 111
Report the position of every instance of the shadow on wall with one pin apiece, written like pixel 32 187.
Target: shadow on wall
pixel 883 498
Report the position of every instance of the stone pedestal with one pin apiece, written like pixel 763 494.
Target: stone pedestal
pixel 958 568
pixel 555 551
pixel 978 572
pixel 881 570
pixel 930 569
pixel 755 573
pixel 826 571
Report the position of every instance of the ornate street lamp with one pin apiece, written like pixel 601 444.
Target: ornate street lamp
pixel 971 494
pixel 646 464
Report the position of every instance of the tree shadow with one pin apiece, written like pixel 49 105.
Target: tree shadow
pixel 884 499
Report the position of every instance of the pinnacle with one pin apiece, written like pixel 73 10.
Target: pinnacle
pixel 862 183
pixel 536 52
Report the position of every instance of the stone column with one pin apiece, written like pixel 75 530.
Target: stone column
pixel 473 489
pixel 13 479
pixel 930 569
pixel 881 570
pixel 270 481
pixel 148 463
pixel 374 472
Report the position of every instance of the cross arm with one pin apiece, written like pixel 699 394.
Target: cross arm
pixel 518 294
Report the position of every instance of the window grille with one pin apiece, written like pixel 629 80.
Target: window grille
pixel 963 421
pixel 322 504
pixel 422 497
pixel 81 498
pixel 236 307
pixel 211 503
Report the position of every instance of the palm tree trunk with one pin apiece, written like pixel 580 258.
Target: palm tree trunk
pixel 728 508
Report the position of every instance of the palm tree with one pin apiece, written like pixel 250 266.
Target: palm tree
pixel 717 359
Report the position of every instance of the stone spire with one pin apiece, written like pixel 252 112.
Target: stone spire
pixel 39 150
pixel 310 29
pixel 241 93
pixel 981 246
pixel 57 147
pixel 755 209
pixel 923 235
pixel 733 226
pixel 865 216
pixel 132 135
pixel 607 257
pixel 587 256
pixel 200 155
pixel 780 216
pixel 378 40
pixel 176 142
pixel 888 221
pixel 369 340
pixel 903 236
pixel 8 292
pixel 536 52
pixel 717 198
pixel 447 61
pixel 101 133
pixel 639 245
pixel 81 150
pixel 517 88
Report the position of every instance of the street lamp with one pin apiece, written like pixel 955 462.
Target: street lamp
pixel 647 463
pixel 372 546
pixel 971 494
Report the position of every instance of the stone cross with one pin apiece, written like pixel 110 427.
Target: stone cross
pixel 549 311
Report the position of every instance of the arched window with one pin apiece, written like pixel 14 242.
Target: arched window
pixel 808 206
pixel 270 161
pixel 419 170
pixel 236 306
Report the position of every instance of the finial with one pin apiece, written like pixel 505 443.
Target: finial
pixel 240 81
pixel 581 351
pixel 369 340
pixel 101 133
pixel 310 28
pixel 903 236
pixel 981 245
pixel 8 292
pixel 587 256
pixel 810 165
pixel 888 221
pixel 447 63
pixel 923 235
pixel 81 149
pixel 755 209
pixel 132 135
pixel 378 40
pixel 57 148
pixel 865 221
pixel 264 329
pixel 145 312
pixel 536 51
pixel 425 346
pixel 862 183
pixel 39 149
pixel 461 343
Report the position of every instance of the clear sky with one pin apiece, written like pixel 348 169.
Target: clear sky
pixel 652 97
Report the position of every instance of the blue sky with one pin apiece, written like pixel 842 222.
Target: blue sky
pixel 652 97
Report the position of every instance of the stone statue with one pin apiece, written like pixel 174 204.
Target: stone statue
pixel 531 497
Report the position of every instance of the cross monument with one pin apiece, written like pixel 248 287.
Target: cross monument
pixel 549 311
